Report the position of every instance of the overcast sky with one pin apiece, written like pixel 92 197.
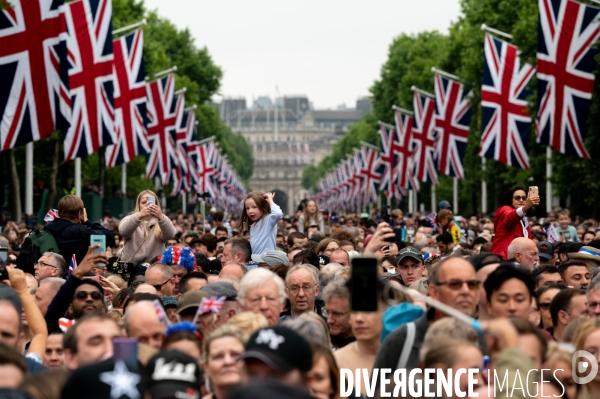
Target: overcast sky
pixel 329 50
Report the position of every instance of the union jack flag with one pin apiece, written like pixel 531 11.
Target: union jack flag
pixel 130 101
pixel 424 139
pixel 565 66
pixel 212 304
pixel 160 312
pixel 405 166
pixel 388 159
pixel 51 215
pixel 192 149
pixel 163 110
pixel 34 99
pixel 72 264
pixel 180 174
pixel 91 77
pixel 371 176
pixel 206 167
pixel 504 118
pixel 452 119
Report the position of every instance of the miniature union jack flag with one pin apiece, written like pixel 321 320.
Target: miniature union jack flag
pixel 405 165
pixel 72 264
pixel 212 304
pixel 565 64
pixel 504 118
pixel 424 138
pixel 34 99
pixel 51 215
pixel 91 77
pixel 163 110
pixel 452 120
pixel 160 312
pixel 130 101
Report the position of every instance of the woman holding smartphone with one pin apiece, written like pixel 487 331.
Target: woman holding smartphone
pixel 146 230
pixel 511 221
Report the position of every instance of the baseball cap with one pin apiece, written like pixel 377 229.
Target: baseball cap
pixel 546 250
pixel 221 288
pixel 172 374
pixel 191 299
pixel 108 379
pixel 335 218
pixel 444 204
pixel 197 240
pixel 271 258
pixel 280 348
pixel 323 260
pixel 409 252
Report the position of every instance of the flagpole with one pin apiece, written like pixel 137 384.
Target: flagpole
pixel 455 195
pixel 404 111
pixel 386 125
pixel 181 91
pixel 445 74
pixel 211 138
pixel 548 182
pixel 128 27
pixel 183 199
pixel 433 199
pixel 483 188
pixel 486 28
pixel 369 145
pixel 422 92
pixel 78 177
pixel 29 179
pixel 410 202
pixel 124 179
pixel 165 72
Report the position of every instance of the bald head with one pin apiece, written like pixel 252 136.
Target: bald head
pixel 524 251
pixel 233 269
pixel 141 322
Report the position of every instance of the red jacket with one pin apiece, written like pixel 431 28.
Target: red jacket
pixel 507 227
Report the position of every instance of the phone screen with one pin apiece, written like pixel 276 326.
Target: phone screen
pixel 411 233
pixel 150 200
pixel 363 284
pixel 4 255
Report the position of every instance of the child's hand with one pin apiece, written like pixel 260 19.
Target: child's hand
pixel 269 197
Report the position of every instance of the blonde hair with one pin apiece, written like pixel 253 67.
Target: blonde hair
pixel 157 231
pixel 226 330
pixel 307 215
pixel 248 322
pixel 118 281
pixel 261 203
pixel 445 352
pixel 444 330
pixel 69 207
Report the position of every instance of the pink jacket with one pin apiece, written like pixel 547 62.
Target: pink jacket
pixel 132 230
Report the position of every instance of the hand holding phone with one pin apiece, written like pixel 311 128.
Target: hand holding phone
pixel 533 192
pixel 363 284
pixel 98 239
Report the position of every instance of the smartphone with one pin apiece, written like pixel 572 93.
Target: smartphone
pixel 126 349
pixel 533 191
pixel 363 284
pixel 99 239
pixel 3 256
pixel 411 233
pixel 567 235
pixel 150 200
pixel 400 235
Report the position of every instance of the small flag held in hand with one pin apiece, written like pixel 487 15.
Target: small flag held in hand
pixel 51 215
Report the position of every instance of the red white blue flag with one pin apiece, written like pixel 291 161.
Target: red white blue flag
pixel 130 101
pixel 452 121
pixel 405 165
pixel 91 77
pixel 72 264
pixel 34 94
pixel 504 118
pixel 387 162
pixel 206 167
pixel 51 215
pixel 163 110
pixel 424 138
pixel 371 176
pixel 212 304
pixel 565 71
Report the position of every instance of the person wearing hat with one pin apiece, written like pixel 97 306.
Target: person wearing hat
pixel 589 255
pixel 188 304
pixel 409 265
pixel 272 258
pixel 278 353
pixel 444 204
pixel 172 374
pixel 546 252
pixel 229 309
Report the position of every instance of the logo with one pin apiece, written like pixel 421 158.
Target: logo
pixel 581 362
pixel 271 338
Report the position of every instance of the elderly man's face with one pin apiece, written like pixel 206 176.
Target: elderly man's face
pixel 457 286
pixel 265 300
pixel 302 291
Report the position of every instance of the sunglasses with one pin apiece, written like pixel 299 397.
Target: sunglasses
pixel 519 198
pixel 456 285
pixel 159 286
pixel 83 295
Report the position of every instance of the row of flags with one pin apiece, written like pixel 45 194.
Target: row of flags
pixel 60 69
pixel 433 137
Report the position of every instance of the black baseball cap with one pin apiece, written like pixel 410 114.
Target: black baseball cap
pixel 546 250
pixel 409 252
pixel 280 348
pixel 172 374
pixel 98 381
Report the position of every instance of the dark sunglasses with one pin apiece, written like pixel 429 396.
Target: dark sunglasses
pixel 456 285
pixel 519 198
pixel 159 286
pixel 82 295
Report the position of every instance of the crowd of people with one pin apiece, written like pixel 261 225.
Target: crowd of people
pixel 260 303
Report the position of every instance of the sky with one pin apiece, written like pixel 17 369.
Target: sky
pixel 329 50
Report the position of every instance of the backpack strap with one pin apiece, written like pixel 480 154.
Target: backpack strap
pixel 408 344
